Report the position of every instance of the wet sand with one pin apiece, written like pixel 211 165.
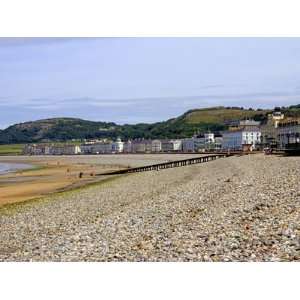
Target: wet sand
pixel 47 176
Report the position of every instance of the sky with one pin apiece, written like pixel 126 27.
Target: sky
pixel 134 80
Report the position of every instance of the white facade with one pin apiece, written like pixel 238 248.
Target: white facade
pixel 101 148
pixel 117 146
pixel 251 137
pixel 63 150
pixel 188 145
pixel 199 144
pixel 48 149
pixel 209 138
pixel 171 145
pixel 86 148
pixel 177 145
pixel 127 147
pixel 206 142
pixel 156 146
pixel 235 139
pixel 218 142
pixel 141 146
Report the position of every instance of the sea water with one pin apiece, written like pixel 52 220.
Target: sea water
pixel 11 167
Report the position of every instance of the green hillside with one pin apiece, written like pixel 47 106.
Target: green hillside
pixel 191 122
pixel 221 115
pixel 56 129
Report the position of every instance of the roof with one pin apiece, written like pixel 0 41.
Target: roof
pixel 243 129
pixel 289 122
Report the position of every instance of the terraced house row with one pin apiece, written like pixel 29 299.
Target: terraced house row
pixel 277 132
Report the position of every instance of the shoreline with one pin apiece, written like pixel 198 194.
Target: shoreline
pixel 44 179
pixel 54 174
pixel 14 167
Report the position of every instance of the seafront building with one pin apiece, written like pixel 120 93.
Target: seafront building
pixel 156 146
pixel 218 142
pixel 288 134
pixel 63 150
pixel 202 143
pixel 117 146
pixel 171 145
pixel 97 148
pixel 269 131
pixel 246 136
pixel 103 147
pixel 188 145
pixel 141 146
pixel 127 147
pixel 51 149
pixel 35 149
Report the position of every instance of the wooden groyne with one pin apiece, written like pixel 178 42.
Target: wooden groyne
pixel 169 164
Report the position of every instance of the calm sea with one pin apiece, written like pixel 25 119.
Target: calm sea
pixel 10 167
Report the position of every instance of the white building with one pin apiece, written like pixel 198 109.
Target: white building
pixel 238 138
pixel 218 142
pixel 127 147
pixel 63 150
pixel 205 142
pixel 171 145
pixel 209 138
pixel 141 146
pixel 101 148
pixel 34 149
pixel 117 146
pixel 188 145
pixel 51 149
pixel 156 146
pixel 201 143
pixel 86 148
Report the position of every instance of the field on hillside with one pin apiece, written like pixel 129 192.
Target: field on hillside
pixel 220 115
pixel 13 149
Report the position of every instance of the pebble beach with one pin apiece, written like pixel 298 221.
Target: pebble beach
pixel 232 209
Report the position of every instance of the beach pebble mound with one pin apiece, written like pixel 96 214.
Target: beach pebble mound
pixel 232 209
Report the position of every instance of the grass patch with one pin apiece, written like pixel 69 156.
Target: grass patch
pixel 13 149
pixel 220 115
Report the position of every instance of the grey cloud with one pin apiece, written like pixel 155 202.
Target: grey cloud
pixel 207 99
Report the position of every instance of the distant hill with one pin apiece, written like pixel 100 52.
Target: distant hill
pixel 56 129
pixel 196 120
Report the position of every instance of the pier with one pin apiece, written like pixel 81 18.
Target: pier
pixel 167 165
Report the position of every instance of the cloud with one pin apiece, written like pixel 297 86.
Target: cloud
pixel 243 99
